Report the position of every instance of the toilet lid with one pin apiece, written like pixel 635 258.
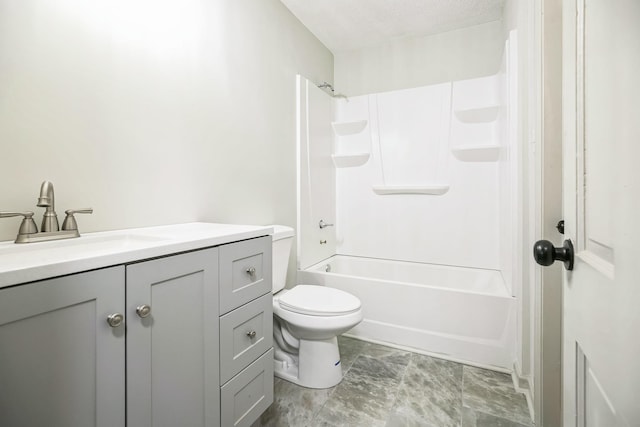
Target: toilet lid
pixel 319 301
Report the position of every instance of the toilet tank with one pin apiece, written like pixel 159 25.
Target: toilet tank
pixel 282 238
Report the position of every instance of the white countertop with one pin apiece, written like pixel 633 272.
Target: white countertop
pixel 27 262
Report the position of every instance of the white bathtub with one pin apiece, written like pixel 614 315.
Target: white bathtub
pixel 462 314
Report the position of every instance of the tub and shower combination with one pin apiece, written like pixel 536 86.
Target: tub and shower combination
pixel 422 186
pixel 459 313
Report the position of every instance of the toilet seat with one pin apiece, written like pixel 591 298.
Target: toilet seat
pixel 313 300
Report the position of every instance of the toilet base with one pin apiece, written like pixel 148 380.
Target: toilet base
pixel 319 365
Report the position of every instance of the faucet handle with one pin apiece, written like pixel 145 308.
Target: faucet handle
pixel 75 211
pixel 28 225
pixel 70 221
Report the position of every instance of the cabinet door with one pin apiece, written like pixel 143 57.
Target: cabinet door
pixel 61 364
pixel 172 354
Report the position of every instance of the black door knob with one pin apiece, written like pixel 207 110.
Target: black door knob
pixel 545 253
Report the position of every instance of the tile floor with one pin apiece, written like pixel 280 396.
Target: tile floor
pixel 383 386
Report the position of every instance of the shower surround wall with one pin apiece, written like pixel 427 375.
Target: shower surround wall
pixel 414 200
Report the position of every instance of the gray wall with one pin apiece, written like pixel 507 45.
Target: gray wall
pixel 152 112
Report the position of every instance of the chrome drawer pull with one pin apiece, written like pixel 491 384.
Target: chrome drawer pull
pixel 251 271
pixel 143 310
pixel 114 320
pixel 251 334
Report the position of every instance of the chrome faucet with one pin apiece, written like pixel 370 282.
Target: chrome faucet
pixel 50 229
pixel 47 200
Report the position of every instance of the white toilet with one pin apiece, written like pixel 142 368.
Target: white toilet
pixel 306 322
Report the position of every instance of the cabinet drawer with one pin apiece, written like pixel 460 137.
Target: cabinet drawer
pixel 249 394
pixel 245 333
pixel 245 272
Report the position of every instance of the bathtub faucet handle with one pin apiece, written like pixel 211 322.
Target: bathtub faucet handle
pixel 323 224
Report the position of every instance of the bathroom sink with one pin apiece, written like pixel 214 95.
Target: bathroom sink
pixel 26 262
pixel 113 242
pixel 95 240
pixel 81 247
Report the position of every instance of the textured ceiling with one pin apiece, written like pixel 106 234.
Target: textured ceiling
pixel 352 24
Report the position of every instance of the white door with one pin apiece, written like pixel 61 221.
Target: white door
pixel 601 136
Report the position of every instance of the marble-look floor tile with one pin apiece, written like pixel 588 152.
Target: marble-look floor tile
pixel 350 349
pixel 382 362
pixel 384 386
pixel 430 393
pixel 362 394
pixel 492 393
pixel 401 418
pixel 471 418
pixel 293 405
pixel 336 415
pixel 390 354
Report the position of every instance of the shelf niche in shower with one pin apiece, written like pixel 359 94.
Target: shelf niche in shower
pixel 478 115
pixel 349 128
pixel 434 190
pixel 349 160
pixel 477 153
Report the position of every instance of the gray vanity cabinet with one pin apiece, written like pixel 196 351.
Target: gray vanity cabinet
pixel 172 341
pixel 64 352
pixel 61 364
